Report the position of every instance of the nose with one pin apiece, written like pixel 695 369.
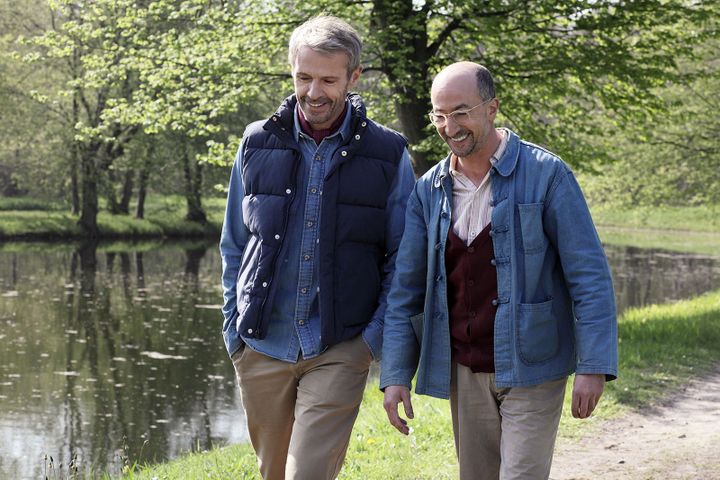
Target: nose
pixel 451 127
pixel 314 90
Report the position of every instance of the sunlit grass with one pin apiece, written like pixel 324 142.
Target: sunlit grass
pixel 164 216
pixel 661 347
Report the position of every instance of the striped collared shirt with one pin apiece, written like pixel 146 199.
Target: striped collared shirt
pixel 471 203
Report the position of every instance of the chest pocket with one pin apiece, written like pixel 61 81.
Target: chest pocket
pixel 531 227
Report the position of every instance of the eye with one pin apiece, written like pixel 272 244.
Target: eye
pixel 459 116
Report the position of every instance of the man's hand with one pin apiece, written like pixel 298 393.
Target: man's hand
pixel 587 391
pixel 395 394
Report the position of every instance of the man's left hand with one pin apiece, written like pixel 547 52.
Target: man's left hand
pixel 587 391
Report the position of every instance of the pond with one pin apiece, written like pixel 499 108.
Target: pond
pixel 112 353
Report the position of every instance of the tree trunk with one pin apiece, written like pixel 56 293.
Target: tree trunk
pixel 405 30
pixel 193 183
pixel 89 208
pixel 124 206
pixel 143 176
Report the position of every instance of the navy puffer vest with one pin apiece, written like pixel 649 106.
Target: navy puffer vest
pixel 352 231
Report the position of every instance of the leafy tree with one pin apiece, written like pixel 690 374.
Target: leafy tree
pixel 557 64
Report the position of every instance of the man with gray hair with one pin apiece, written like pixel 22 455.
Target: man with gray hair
pixel 314 217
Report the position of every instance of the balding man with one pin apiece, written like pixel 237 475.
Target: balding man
pixel 501 290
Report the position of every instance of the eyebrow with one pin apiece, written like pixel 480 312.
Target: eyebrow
pixel 462 106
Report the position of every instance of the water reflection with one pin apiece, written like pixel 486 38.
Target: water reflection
pixel 113 351
pixel 104 361
pixel 644 277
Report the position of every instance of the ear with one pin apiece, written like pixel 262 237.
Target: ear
pixel 354 77
pixel 493 108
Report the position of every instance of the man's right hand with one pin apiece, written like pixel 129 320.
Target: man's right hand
pixel 395 394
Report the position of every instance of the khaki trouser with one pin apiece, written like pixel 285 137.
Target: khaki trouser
pixel 300 415
pixel 503 433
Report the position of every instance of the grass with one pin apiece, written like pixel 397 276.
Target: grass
pixel 661 347
pixel 681 229
pixel 164 216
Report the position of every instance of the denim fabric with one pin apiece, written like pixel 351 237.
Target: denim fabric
pixel 294 326
pixel 556 307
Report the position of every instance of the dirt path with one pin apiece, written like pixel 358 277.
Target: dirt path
pixel 677 440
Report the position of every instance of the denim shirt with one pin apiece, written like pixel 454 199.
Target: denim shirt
pixel 294 327
pixel 555 306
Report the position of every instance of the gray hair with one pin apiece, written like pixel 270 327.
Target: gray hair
pixel 327 34
pixel 485 83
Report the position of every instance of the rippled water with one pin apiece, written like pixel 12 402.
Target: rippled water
pixel 114 352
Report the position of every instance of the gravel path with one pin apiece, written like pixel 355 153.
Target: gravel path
pixel 679 439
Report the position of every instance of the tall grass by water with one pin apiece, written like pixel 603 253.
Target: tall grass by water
pixel 661 347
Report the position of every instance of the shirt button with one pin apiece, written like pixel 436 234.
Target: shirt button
pixel 344 153
pixel 309 224
pixel 471 282
pixel 306 257
pixel 495 302
pixel 471 249
pixel 473 314
pixel 472 234
pixel 318 158
pixel 303 290
pixel 313 190
pixel 301 322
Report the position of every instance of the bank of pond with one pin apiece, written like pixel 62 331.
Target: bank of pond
pixel 111 355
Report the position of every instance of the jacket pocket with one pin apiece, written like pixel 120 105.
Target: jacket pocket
pixel 417 324
pixel 537 332
pixel 531 227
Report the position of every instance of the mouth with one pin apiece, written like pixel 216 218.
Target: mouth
pixel 320 103
pixel 460 137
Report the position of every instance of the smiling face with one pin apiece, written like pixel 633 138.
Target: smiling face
pixel 321 85
pixel 456 89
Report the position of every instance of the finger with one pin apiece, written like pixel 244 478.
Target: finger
pixel 576 405
pixel 394 418
pixel 407 404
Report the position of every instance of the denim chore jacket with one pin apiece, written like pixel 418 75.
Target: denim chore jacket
pixel 555 306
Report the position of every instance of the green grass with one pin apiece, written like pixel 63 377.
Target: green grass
pixel 164 216
pixel 661 347
pixel 681 229
pixel 704 218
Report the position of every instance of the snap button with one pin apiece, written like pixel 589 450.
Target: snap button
pixel 277 237
pixel 301 322
pixel 303 290
pixel 250 330
pixel 288 191
pixel 344 153
pixel 357 137
pixel 264 284
pixel 274 119
pixel 364 124
pixel 306 257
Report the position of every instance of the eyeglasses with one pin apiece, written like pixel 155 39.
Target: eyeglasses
pixel 458 116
